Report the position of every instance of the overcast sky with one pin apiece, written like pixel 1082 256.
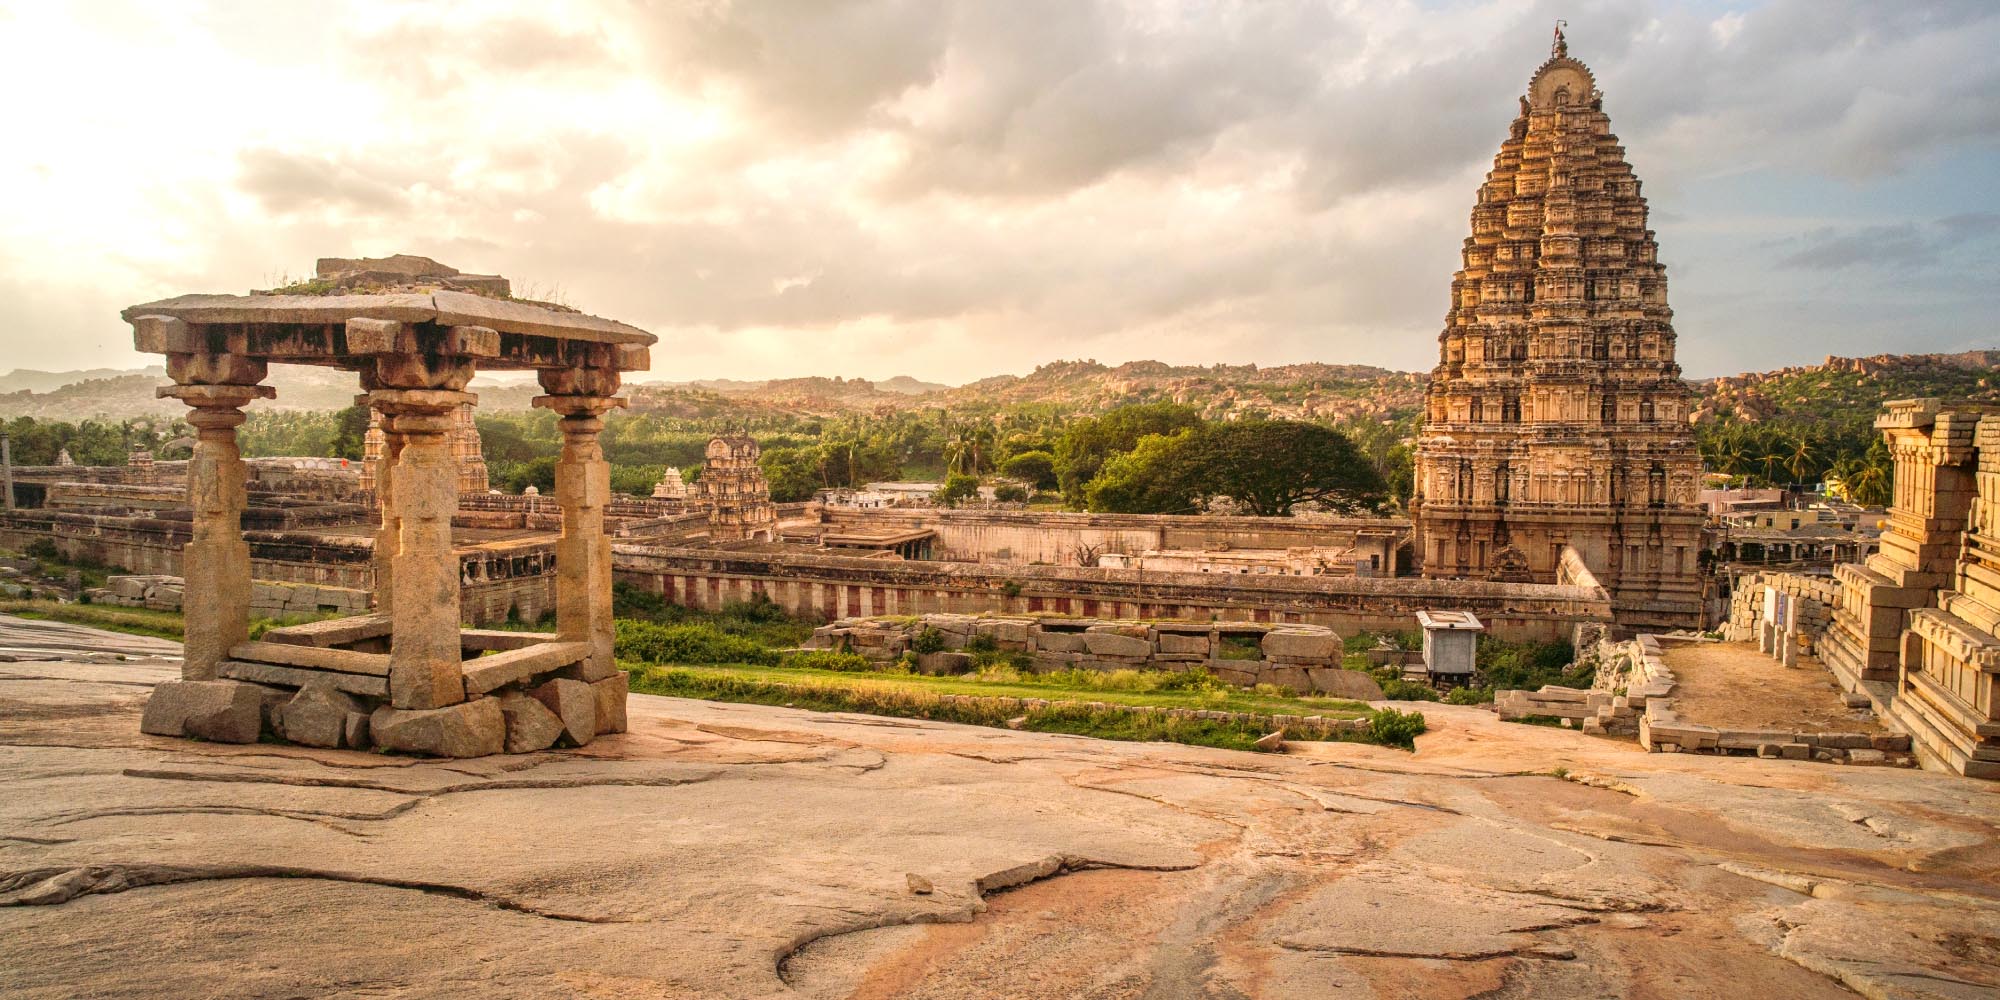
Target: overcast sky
pixel 958 189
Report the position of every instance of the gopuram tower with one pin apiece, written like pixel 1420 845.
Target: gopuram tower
pixel 1556 416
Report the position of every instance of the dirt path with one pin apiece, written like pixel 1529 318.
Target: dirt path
pixel 1730 685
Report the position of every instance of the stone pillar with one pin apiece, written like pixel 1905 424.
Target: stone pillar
pixel 383 486
pixel 216 561
pixel 583 487
pixel 425 652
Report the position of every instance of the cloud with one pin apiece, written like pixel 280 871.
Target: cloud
pixel 951 187
pixel 1900 246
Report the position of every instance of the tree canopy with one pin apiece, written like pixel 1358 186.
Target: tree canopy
pixel 1265 467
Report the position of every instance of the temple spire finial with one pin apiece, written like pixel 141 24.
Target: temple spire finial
pixel 1560 47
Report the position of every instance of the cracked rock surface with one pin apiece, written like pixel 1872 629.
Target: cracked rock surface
pixel 746 851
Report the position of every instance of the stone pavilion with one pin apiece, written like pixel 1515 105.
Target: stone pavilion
pixel 407 677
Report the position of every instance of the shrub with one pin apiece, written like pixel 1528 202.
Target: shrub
pixel 1398 689
pixel 1468 696
pixel 982 643
pixel 826 659
pixel 1010 493
pixel 929 640
pixel 1392 728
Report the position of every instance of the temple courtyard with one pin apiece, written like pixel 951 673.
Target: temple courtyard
pixel 741 851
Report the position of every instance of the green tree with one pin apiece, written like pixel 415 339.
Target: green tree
pixel 1162 475
pixel 1037 468
pixel 1270 466
pixel 1089 443
pixel 794 473
pixel 958 487
pixel 350 433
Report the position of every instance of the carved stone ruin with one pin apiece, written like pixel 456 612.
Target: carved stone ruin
pixel 736 492
pixel 407 677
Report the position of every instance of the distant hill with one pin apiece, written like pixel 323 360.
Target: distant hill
pixel 1843 390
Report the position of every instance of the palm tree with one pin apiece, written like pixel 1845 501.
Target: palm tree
pixel 1801 458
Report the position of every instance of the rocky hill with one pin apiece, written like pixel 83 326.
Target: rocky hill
pixel 1848 388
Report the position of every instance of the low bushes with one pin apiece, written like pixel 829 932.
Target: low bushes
pixel 647 642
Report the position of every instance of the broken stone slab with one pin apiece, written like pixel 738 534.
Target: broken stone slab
pixel 611 694
pixel 575 704
pixel 1058 642
pixel 220 711
pixel 317 716
pixel 467 729
pixel 530 724
pixel 1271 742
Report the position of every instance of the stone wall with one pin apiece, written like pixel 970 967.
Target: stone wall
pixel 1302 658
pixel 832 587
pixel 1813 600
pixel 1028 538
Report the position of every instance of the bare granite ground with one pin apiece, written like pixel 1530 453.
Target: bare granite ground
pixel 1730 685
pixel 742 851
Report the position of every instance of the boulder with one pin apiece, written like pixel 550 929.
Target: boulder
pixel 1010 633
pixel 468 729
pixel 220 711
pixel 1286 676
pixel 1271 742
pixel 317 715
pixel 611 692
pixel 573 702
pixel 530 724
pixel 1344 683
pixel 1315 645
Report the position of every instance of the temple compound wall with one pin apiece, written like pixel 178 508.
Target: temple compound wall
pixel 1556 417
pixel 1917 628
pixel 843 586
pixel 1041 538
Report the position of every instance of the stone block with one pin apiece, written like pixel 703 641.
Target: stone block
pixel 1049 663
pixel 1010 633
pixel 1182 643
pixel 1239 672
pixel 573 702
pixel 467 729
pixel 1114 644
pixel 1795 751
pixel 354 731
pixel 530 724
pixel 220 711
pixel 1872 757
pixel 937 664
pixel 1058 642
pixel 1302 644
pixel 317 715
pixel 611 695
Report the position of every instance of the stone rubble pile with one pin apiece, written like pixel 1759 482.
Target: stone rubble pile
pixel 1302 658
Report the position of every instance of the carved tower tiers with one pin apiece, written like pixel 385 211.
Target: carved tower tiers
pixel 1557 415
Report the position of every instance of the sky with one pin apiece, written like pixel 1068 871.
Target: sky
pixel 953 189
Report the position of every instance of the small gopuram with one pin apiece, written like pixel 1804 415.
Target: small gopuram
pixel 408 677
pixel 1556 415
pixel 1917 627
pixel 736 492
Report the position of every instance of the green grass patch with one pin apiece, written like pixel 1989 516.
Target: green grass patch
pixel 1138 690
pixel 918 698
pixel 131 621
